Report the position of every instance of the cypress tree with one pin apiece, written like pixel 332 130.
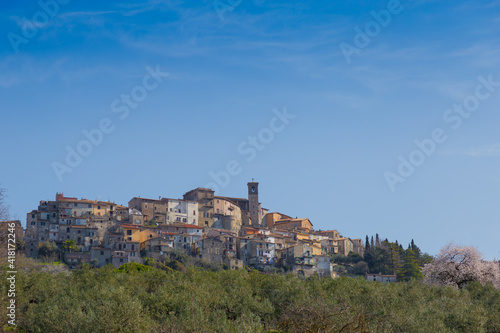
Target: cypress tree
pixel 411 268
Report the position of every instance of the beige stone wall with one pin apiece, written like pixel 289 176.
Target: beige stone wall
pixel 150 209
pixel 232 223
pixel 205 199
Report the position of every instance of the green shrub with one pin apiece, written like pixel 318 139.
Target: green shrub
pixel 139 298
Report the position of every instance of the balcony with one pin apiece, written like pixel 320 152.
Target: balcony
pixel 304 261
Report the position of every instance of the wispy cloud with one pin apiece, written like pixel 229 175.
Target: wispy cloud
pixel 128 9
pixel 484 151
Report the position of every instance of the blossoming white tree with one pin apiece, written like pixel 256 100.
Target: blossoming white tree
pixel 459 265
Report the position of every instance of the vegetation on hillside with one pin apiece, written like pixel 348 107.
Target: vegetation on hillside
pixel 384 257
pixel 139 298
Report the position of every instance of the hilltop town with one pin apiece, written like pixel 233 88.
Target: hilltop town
pixel 234 232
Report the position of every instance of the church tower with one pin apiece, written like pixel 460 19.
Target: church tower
pixel 253 202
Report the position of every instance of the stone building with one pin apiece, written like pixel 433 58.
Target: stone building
pixel 358 246
pixel 345 245
pixel 381 277
pixel 179 210
pixel 252 213
pixel 205 199
pixel 227 214
pixel 53 221
pixel 211 249
pixel 151 209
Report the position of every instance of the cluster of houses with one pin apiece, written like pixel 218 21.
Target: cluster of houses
pixel 235 232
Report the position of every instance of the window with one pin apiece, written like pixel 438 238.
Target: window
pixel 206 222
pixel 194 212
pixel 54 206
pixel 32 216
pixel 102 253
pixel 129 238
pixel 75 204
pixel 42 223
pixel 129 232
pixel 53 214
pixel 98 207
pixel 121 260
pixel 90 206
pixel 170 209
pixel 133 247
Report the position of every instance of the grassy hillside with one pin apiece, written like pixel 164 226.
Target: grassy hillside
pixel 146 299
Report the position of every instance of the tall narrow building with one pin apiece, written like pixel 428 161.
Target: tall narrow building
pixel 253 199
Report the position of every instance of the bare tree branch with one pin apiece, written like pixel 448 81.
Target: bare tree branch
pixel 4 208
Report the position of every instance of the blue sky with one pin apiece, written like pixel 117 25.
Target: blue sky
pixel 226 75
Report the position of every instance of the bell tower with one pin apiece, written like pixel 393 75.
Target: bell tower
pixel 253 202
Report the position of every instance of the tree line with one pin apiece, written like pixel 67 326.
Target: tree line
pixel 392 258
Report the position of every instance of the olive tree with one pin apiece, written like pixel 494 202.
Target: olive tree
pixel 458 266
